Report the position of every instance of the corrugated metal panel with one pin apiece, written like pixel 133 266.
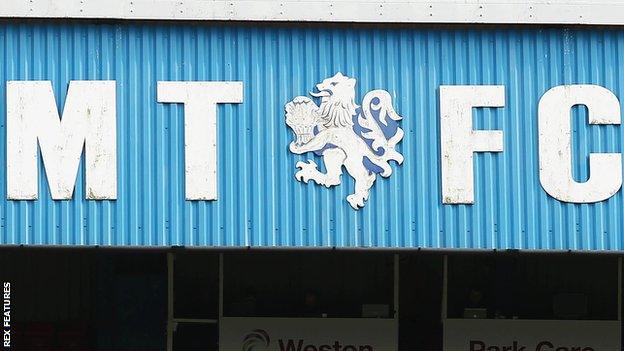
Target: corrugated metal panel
pixel 260 203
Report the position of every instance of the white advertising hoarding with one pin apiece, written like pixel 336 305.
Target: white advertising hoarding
pixel 307 334
pixel 530 335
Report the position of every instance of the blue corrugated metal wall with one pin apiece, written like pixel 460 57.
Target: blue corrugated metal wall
pixel 260 203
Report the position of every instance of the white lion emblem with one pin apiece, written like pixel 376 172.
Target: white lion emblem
pixel 362 139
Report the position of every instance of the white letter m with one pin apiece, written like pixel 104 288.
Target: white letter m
pixel 89 120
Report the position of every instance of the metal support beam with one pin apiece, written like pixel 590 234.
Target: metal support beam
pixel 396 292
pixel 444 314
pixel 619 289
pixel 220 286
pixel 170 321
pixel 396 287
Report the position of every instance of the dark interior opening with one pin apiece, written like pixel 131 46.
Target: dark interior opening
pixel 101 299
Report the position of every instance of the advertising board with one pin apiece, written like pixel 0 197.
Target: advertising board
pixel 307 334
pixel 530 335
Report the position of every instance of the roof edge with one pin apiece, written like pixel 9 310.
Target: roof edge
pixel 363 11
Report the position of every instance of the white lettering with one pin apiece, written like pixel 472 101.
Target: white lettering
pixel 88 120
pixel 200 101
pixel 555 139
pixel 459 141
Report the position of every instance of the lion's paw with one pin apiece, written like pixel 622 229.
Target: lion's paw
pixel 302 176
pixel 356 201
pixel 329 182
pixel 307 171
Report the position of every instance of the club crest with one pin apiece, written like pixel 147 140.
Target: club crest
pixel 362 138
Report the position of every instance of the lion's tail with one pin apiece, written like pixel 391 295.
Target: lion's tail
pixel 381 102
